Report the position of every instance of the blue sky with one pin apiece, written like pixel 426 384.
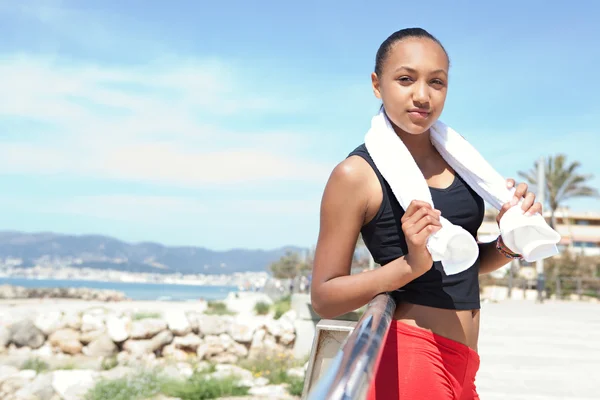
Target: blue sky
pixel 217 123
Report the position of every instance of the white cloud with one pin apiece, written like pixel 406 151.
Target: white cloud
pixel 157 123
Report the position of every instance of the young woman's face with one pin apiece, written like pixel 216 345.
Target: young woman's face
pixel 413 84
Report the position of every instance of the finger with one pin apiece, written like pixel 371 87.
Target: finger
pixel 536 208
pixel 510 183
pixel 415 206
pixel 429 230
pixel 502 210
pixel 419 225
pixel 519 192
pixel 528 202
pixel 422 213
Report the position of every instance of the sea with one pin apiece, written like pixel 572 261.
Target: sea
pixel 133 290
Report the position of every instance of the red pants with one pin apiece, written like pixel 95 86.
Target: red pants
pixel 417 364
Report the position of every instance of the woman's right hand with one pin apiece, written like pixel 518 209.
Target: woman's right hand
pixel 419 222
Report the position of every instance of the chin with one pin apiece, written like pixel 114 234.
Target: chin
pixel 415 129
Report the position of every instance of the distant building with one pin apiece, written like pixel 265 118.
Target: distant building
pixel 580 233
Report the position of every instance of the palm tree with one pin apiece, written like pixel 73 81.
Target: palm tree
pixel 563 182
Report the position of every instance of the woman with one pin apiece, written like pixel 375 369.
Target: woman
pixel 431 348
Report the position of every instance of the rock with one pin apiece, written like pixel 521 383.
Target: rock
pixel 11 385
pixel 171 351
pixel 214 324
pixel 45 351
pixel 211 347
pixel 224 358
pixel 146 328
pixel 25 333
pixel 118 328
pixel 49 322
pixel 242 332
pixel 92 322
pixel 141 347
pixel 40 388
pixel 189 342
pixel 232 346
pixel 4 336
pixel 7 371
pixel 178 323
pixel 103 346
pixel 72 320
pixel 73 384
pixel 67 340
pixel 90 336
pixel 287 338
pixel 19 292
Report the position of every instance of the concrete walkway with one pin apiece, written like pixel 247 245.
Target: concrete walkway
pixel 535 351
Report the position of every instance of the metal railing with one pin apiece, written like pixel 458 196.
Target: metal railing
pixel 351 372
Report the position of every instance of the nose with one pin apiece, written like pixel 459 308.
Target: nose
pixel 421 93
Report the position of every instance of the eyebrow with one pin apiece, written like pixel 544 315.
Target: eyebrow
pixel 409 69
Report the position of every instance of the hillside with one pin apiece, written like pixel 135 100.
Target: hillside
pixel 103 252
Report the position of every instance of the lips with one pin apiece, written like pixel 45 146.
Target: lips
pixel 417 113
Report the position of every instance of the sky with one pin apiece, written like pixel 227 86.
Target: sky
pixel 217 124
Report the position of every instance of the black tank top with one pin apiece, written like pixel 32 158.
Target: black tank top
pixel 385 241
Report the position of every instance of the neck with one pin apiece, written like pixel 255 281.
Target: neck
pixel 419 146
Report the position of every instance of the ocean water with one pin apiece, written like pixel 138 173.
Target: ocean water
pixel 135 291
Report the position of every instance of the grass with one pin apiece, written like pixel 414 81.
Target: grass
pixel 282 306
pixel 109 363
pixel 35 364
pixel 148 384
pixel 145 315
pixel 217 308
pixel 262 308
pixel 273 367
pixel 296 385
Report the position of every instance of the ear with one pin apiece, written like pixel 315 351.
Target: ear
pixel 375 84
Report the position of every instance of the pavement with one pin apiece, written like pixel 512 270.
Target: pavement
pixel 537 351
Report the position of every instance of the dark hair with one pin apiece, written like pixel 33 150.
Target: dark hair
pixel 402 34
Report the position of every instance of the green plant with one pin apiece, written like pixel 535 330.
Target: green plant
pixel 109 363
pixel 282 306
pixel 262 308
pixel 296 385
pixel 145 314
pixel 35 364
pixel 200 387
pixel 273 367
pixel 217 308
pixel 134 387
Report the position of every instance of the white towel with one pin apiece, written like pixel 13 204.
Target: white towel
pixel 452 245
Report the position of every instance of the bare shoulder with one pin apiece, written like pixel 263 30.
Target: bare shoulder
pixel 353 172
pixel 351 188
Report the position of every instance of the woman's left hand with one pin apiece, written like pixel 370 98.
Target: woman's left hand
pixel 530 206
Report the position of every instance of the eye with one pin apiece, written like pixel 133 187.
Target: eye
pixel 405 79
pixel 438 82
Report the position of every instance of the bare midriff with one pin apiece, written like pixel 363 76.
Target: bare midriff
pixel 459 325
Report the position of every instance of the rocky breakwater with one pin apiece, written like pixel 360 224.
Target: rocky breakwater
pixel 19 292
pixel 91 339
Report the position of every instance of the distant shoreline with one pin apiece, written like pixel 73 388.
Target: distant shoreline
pixel 169 291
pixel 187 282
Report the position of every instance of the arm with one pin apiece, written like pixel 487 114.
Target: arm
pixel 491 258
pixel 333 290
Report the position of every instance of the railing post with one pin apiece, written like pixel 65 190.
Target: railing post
pixel 351 372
